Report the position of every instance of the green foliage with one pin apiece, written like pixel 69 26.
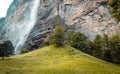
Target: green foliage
pixel 114 7
pixel 6 49
pixel 78 40
pixel 105 41
pixel 107 55
pixel 115 48
pixel 89 47
pixel 106 48
pixel 106 52
pixel 98 46
pixel 58 36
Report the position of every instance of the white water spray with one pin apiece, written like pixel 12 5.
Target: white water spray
pixel 18 32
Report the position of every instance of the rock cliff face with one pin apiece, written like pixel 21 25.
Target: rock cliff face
pixel 1 22
pixel 88 16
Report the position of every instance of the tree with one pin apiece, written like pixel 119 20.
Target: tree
pixel 107 55
pixel 98 46
pixel 6 49
pixel 58 36
pixel 106 52
pixel 115 48
pixel 89 47
pixel 78 41
pixel 114 7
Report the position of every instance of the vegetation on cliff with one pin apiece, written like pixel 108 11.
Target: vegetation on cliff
pixel 114 6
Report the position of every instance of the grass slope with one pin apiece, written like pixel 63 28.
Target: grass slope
pixel 53 60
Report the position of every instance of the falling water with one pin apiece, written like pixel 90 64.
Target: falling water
pixel 18 32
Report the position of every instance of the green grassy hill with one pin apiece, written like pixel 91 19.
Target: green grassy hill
pixel 54 60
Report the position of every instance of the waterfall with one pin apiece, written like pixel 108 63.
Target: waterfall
pixel 19 31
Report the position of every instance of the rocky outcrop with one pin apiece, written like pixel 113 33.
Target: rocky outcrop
pixel 40 31
pixel 88 16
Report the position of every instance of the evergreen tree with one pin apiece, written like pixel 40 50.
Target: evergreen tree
pixel 78 41
pixel 89 47
pixel 98 46
pixel 115 48
pixel 106 52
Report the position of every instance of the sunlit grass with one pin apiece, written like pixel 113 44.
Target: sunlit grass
pixel 56 60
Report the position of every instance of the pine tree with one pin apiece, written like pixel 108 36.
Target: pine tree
pixel 115 48
pixel 78 41
pixel 98 46
pixel 106 52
